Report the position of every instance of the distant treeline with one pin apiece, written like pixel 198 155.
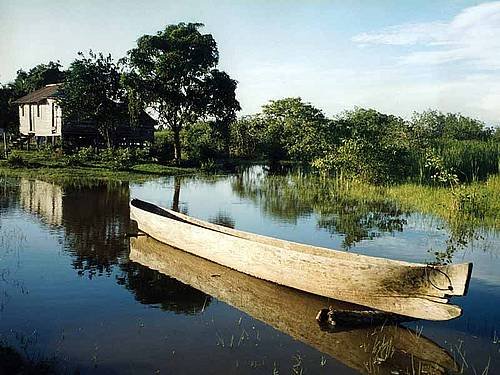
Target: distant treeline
pixel 363 143
pixel 174 75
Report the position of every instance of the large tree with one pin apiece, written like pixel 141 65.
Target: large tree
pixel 173 73
pixel 92 93
pixel 295 130
pixel 221 105
pixel 37 77
pixel 9 116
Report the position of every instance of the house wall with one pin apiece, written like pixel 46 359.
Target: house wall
pixel 43 199
pixel 46 118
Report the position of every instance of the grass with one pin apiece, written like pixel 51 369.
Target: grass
pixel 478 202
pixel 36 164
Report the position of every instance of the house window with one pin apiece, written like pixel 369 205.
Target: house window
pixel 22 109
pixel 38 110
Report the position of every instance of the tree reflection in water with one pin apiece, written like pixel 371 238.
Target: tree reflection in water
pixel 153 288
pixel 95 218
pixel 289 197
pixel 342 207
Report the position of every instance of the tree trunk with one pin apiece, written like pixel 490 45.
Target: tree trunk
pixel 177 146
pixel 108 140
pixel 177 192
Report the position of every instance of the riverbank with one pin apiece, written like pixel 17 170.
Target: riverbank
pixel 477 202
pixel 36 164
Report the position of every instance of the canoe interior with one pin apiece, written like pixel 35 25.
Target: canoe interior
pixel 411 289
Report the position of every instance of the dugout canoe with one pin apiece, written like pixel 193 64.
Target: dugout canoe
pixel 419 291
pixel 293 313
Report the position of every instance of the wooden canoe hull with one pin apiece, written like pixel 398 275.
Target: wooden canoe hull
pixel 293 312
pixel 410 289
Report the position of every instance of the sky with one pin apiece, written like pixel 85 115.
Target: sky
pixel 394 56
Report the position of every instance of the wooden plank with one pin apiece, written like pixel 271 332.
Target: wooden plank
pixel 293 312
pixel 398 287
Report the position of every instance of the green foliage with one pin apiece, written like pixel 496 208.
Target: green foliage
pixel 295 130
pixel 120 159
pixel 374 148
pixel 163 145
pixel 9 115
pixel 437 172
pixel 431 126
pixel 73 160
pixel 38 77
pixel 86 154
pixel 208 165
pixel 91 93
pixel 469 202
pixel 199 142
pixel 174 73
pixel 16 160
pixel 246 137
pixel 470 159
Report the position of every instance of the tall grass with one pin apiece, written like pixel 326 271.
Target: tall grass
pixel 471 160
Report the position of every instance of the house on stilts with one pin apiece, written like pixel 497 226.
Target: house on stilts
pixel 41 121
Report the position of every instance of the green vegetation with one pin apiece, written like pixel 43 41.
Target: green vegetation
pixel 119 164
pixel 363 144
pixel 363 211
pixel 91 93
pixel 174 73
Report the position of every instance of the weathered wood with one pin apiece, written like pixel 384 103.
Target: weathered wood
pixel 293 312
pixel 415 290
pixel 332 318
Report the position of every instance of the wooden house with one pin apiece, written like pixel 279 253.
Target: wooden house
pixel 41 119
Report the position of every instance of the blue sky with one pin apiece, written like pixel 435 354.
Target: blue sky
pixel 394 56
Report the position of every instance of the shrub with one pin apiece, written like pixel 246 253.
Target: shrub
pixel 469 203
pixel 16 160
pixel 437 172
pixel 86 154
pixel 73 160
pixel 163 146
pixel 472 160
pixel 208 166
pixel 199 142
pixel 118 159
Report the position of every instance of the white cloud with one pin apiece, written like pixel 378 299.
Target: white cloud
pixel 473 36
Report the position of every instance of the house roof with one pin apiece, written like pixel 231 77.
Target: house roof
pixel 49 91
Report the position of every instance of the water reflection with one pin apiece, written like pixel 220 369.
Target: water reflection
pixel 290 197
pixel 384 350
pixel 151 287
pixel 95 224
pixel 90 220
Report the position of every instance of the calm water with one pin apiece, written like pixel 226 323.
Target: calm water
pixel 69 291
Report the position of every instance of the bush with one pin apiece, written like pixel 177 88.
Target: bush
pixel 73 160
pixel 16 160
pixel 199 143
pixel 469 203
pixel 472 160
pixel 86 153
pixel 436 170
pixel 163 146
pixel 119 159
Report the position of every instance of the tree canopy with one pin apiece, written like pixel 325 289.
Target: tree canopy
pixel 295 130
pixel 92 92
pixel 37 77
pixel 174 73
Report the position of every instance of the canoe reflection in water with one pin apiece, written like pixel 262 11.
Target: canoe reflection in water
pixel 384 349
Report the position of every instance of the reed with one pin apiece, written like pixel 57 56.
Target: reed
pixel 471 160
